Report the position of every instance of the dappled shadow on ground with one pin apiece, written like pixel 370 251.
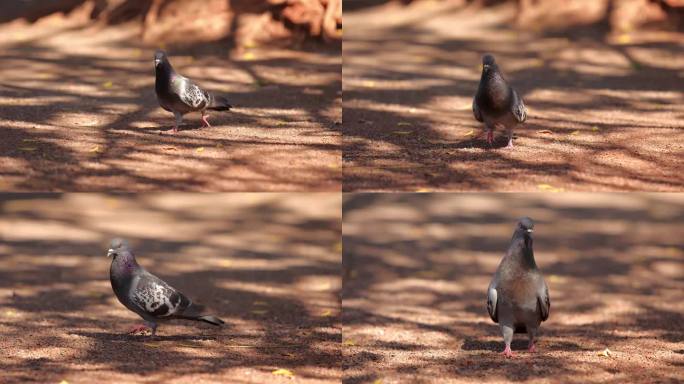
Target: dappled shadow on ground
pixel 79 113
pixel 417 266
pixel 604 114
pixel 268 265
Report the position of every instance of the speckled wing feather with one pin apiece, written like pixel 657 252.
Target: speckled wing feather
pixel 192 95
pixel 156 298
pixel 518 107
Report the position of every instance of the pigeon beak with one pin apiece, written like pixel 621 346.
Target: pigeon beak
pixel 156 62
pixel 110 252
pixel 485 67
pixel 530 230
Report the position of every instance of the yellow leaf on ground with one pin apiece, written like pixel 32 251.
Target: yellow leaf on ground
pixel 95 149
pixel 377 381
pixel 624 38
pixel 200 149
pixel 152 345
pixel 259 311
pixel 369 83
pixel 107 84
pixel 402 132
pixel 469 133
pixel 225 263
pixel 574 133
pixel 10 313
pixel 349 343
pixel 594 128
pixel 326 313
pixel 248 56
pixel 555 278
pixel 549 188
pixel 605 353
pixel 283 372
pixel 337 247
pixel 403 124
pixel 27 149
pixel 545 131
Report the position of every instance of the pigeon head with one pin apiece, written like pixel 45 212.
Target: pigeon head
pixel 526 224
pixel 117 247
pixel 488 63
pixel 159 57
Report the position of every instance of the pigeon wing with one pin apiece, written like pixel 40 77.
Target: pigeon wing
pixel 156 298
pixel 544 302
pixel 518 108
pixel 492 302
pixel 476 110
pixel 193 96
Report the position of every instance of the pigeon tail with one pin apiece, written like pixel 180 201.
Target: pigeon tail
pixel 213 320
pixel 219 103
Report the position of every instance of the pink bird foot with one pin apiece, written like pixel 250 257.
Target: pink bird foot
pixel 507 352
pixel 532 348
pixel 138 328
pixel 490 137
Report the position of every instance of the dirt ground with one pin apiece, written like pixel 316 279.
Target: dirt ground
pixel 417 266
pixel 78 113
pixel 267 264
pixel 605 112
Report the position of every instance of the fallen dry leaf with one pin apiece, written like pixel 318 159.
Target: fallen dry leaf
pixel 259 311
pixel 349 343
pixel 200 149
pixel 326 313
pixel 107 84
pixel 605 353
pixel 469 133
pixel 574 133
pixel 27 149
pixel 549 188
pixel 283 372
pixel 547 131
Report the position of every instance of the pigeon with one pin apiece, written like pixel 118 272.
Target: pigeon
pixel 146 294
pixel 517 297
pixel 179 95
pixel 496 103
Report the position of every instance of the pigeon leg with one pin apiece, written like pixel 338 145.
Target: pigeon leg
pixel 490 137
pixel 508 338
pixel 510 138
pixel 179 120
pixel 204 120
pixel 532 334
pixel 152 326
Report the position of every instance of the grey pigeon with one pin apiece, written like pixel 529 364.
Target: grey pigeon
pixel 146 294
pixel 496 103
pixel 518 298
pixel 180 95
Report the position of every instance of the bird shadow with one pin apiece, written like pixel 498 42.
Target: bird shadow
pixel 104 336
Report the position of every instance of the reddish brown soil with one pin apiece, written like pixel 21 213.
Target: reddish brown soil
pixel 267 264
pixel 417 268
pixel 78 113
pixel 605 112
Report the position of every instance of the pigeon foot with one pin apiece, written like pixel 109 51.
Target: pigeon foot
pixel 507 352
pixel 532 348
pixel 204 121
pixel 138 328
